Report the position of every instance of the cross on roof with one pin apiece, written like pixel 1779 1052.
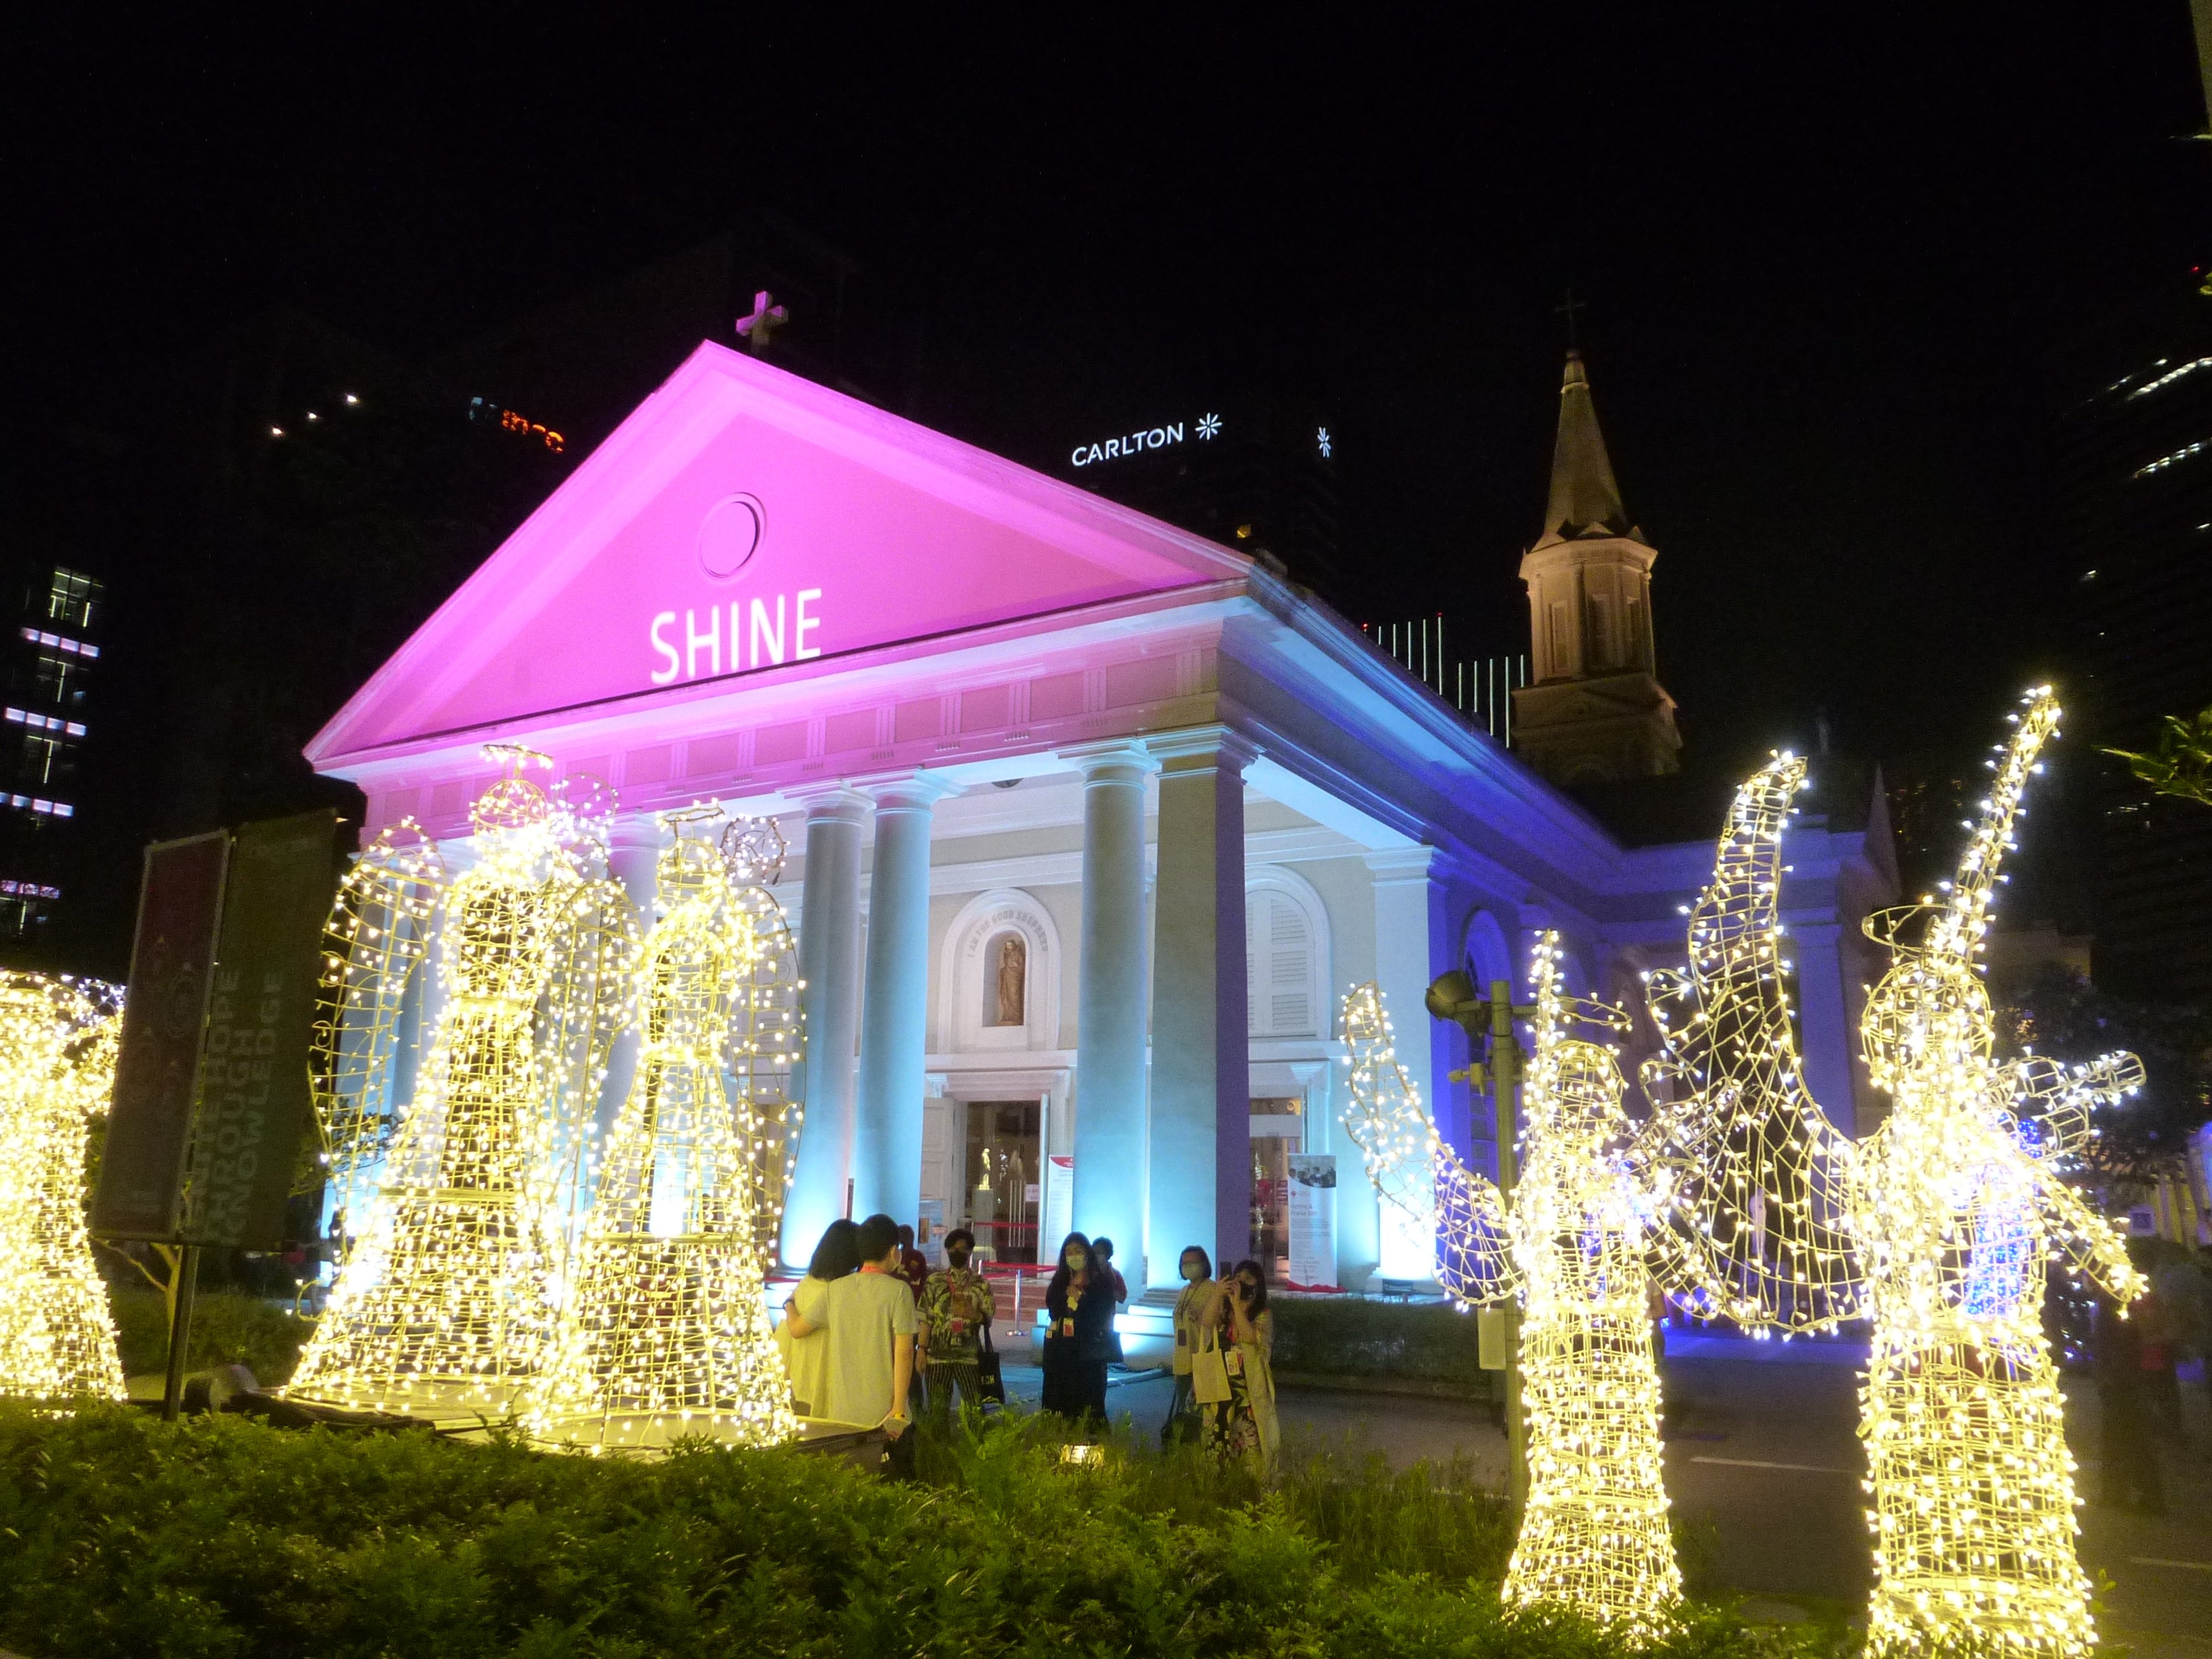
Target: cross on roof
pixel 1568 309
pixel 767 317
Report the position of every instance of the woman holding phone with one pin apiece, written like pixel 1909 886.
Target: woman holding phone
pixel 1244 1425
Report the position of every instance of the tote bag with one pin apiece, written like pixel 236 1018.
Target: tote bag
pixel 1209 1371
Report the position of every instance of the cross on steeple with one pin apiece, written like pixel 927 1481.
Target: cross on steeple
pixel 767 317
pixel 1568 309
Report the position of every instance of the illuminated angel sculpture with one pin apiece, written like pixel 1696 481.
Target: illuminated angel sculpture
pixel 1940 1224
pixel 1573 1244
pixel 665 1330
pixel 764 1038
pixel 57 1045
pixel 375 943
pixel 1758 1175
pixel 444 1301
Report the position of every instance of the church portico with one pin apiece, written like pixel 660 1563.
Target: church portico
pixel 1092 822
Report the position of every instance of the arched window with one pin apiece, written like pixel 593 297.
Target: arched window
pixel 998 980
pixel 1285 957
pixel 1487 955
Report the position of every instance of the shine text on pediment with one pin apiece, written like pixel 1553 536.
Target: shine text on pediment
pixel 744 522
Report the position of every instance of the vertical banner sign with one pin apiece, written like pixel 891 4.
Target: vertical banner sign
pixel 157 1069
pixel 1313 1220
pixel 254 1104
pixel 1054 1220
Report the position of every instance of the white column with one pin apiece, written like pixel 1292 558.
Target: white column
pixel 1409 939
pixel 829 964
pixel 633 859
pixel 1109 1033
pixel 894 1003
pixel 1824 1018
pixel 1199 1175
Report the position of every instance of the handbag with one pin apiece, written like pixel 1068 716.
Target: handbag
pixel 990 1381
pixel 1209 1371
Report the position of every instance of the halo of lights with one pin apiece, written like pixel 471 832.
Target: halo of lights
pixel 666 1331
pixel 1573 1244
pixel 444 1303
pixel 57 1047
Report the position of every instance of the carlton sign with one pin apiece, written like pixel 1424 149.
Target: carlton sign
pixel 1135 443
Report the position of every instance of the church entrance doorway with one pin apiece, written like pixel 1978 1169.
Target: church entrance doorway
pixel 1004 1175
pixel 1278 1130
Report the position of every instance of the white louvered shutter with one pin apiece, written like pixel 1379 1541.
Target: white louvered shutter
pixel 1279 967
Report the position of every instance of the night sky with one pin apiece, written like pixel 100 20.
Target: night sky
pixel 1832 256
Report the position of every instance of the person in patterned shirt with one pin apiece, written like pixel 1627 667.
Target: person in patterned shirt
pixel 957 1305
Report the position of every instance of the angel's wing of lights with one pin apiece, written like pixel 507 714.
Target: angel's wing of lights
pixel 1753 1177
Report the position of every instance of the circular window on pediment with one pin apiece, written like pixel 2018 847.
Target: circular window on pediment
pixel 730 535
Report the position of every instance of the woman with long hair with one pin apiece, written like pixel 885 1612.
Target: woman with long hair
pixel 1244 1425
pixel 1080 1304
pixel 806 1350
pixel 1192 1303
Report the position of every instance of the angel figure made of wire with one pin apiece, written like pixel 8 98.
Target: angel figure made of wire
pixel 444 1303
pixel 1938 1226
pixel 665 1330
pixel 1572 1243
pixel 58 1048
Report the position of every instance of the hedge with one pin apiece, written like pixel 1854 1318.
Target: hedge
pixel 1349 1336
pixel 225 1539
pixel 229 1327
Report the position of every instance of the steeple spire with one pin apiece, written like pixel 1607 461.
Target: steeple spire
pixel 1585 501
pixel 1595 710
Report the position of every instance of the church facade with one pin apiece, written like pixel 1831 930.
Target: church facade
pixel 1094 822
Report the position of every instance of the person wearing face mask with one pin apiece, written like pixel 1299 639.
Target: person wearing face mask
pixel 956 1308
pixel 1244 1425
pixel 1080 1310
pixel 1196 1268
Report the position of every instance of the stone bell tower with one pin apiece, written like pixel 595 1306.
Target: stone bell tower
pixel 1594 711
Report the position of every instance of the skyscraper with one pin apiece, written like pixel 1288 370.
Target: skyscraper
pixel 52 657
pixel 1258 476
pixel 2135 490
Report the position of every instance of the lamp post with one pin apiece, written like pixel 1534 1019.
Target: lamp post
pixel 1452 996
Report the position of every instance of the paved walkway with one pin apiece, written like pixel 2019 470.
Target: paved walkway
pixel 1764 1465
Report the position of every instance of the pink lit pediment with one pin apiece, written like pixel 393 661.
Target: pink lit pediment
pixel 745 522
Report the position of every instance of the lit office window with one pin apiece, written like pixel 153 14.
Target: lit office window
pixel 70 600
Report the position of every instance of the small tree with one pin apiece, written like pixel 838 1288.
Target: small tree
pixel 2180 765
pixel 2060 1012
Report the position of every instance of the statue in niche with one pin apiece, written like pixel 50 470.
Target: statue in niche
pixel 1013 974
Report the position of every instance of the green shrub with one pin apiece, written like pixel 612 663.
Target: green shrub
pixel 229 1327
pixel 222 1538
pixel 1349 1336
